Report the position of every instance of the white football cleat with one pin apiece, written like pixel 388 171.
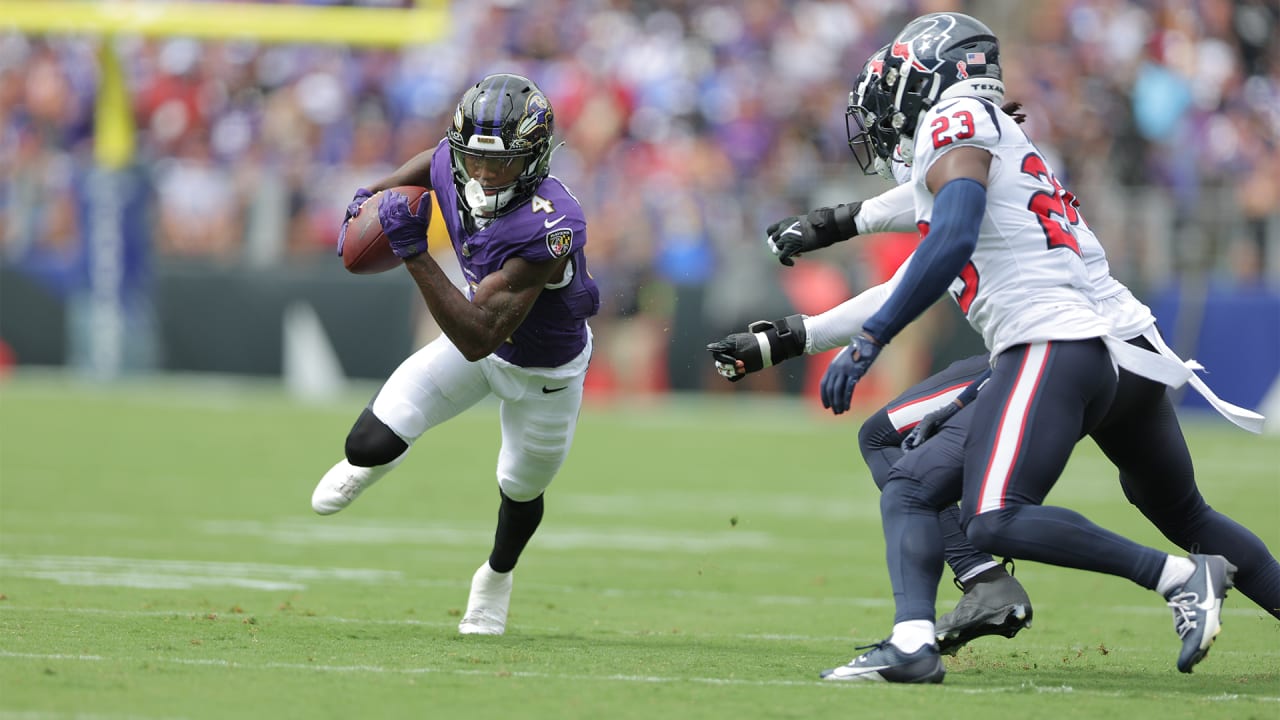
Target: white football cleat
pixel 487 605
pixel 343 484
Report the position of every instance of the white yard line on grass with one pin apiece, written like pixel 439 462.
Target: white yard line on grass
pixel 204 615
pixel 51 715
pixel 108 571
pixel 294 532
pixel 182 574
pixel 654 679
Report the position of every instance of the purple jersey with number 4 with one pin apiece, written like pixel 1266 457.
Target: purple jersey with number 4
pixel 548 227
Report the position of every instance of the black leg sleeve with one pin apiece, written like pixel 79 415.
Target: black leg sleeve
pixel 517 522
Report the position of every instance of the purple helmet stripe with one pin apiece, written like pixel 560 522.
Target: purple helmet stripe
pixel 497 109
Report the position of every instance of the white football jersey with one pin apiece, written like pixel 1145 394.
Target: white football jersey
pixel 894 211
pixel 1129 316
pixel 1026 281
pixel 1126 316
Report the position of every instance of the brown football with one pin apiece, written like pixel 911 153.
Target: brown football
pixel 366 249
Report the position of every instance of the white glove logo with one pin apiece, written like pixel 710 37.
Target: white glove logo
pixel 793 230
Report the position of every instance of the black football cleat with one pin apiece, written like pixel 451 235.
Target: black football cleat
pixel 995 607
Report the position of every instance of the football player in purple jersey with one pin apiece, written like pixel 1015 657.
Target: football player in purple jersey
pixel 519 332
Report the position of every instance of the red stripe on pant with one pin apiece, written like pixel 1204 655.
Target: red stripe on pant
pixel 1013 425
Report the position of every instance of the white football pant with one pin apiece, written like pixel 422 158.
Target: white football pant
pixel 538 411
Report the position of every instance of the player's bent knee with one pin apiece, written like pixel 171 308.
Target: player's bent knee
pixel 371 443
pixel 908 494
pixel 879 443
pixel 521 491
pixel 988 531
pixel 877 433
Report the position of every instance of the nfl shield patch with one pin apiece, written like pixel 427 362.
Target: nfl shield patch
pixel 559 242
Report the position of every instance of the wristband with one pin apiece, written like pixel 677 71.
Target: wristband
pixel 845 217
pixel 834 224
pixel 779 340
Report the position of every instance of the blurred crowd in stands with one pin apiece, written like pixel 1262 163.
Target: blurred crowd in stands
pixel 689 126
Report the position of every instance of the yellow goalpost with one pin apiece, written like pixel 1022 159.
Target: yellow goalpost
pixel 424 23
pixel 114 132
pixel 271 23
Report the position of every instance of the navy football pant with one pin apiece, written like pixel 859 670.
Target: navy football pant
pixel 880 440
pixel 1041 399
pixel 917 536
pixel 1142 438
pixel 1139 434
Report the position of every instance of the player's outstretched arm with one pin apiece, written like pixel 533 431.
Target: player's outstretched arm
pixel 836 327
pixel 738 354
pixel 890 211
pixel 763 345
pixel 794 236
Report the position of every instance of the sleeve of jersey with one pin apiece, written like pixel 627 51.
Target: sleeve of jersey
pixel 940 256
pixel 442 169
pixel 890 211
pixel 836 327
pixel 962 122
pixel 555 236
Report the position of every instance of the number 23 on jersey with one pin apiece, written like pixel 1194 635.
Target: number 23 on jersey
pixel 1055 208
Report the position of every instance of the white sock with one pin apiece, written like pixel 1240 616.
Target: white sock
pixel 911 635
pixel 1177 570
pixel 978 571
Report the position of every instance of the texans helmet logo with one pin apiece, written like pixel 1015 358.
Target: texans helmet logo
pixel 920 46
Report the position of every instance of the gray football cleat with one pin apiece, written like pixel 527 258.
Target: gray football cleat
pixel 1197 607
pixel 886 663
pixel 995 607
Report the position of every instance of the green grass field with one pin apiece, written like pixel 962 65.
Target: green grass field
pixel 698 559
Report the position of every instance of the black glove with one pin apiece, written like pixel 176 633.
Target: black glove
pixel 763 344
pixel 795 236
pixel 929 425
